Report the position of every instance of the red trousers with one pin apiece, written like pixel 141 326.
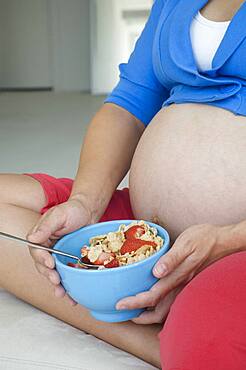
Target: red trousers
pixel 206 326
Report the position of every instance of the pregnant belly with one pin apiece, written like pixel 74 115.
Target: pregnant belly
pixel 190 168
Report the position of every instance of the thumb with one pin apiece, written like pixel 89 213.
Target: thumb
pixel 168 263
pixel 47 226
pixel 161 269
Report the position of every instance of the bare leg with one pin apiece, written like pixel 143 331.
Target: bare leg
pixel 19 276
pixel 21 190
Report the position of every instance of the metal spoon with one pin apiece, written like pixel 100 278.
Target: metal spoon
pixel 50 250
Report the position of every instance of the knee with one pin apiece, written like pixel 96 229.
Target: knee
pixel 6 187
pixel 205 327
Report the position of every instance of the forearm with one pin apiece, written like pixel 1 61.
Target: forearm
pixel 106 156
pixel 232 238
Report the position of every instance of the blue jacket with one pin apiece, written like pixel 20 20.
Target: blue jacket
pixel 162 69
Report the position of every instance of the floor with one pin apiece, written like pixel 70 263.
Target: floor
pixel 43 131
pixel 33 340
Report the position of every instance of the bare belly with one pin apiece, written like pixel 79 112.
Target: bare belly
pixel 190 168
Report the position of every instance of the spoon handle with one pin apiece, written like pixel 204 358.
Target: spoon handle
pixel 36 245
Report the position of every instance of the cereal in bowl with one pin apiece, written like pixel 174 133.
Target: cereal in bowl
pixel 129 244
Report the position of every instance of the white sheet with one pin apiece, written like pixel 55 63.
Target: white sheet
pixel 31 340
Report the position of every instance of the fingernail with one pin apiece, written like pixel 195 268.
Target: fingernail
pixel 57 294
pixel 53 279
pixel 160 270
pixel 47 264
pixel 121 307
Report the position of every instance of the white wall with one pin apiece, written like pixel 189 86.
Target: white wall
pixel 24 43
pixel 70 30
pixel 1 49
pixel 104 44
pixel 45 43
pixel 115 26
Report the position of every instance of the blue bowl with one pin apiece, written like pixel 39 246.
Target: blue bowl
pixel 100 290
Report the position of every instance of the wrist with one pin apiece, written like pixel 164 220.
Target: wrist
pixel 89 205
pixel 232 238
pixel 95 205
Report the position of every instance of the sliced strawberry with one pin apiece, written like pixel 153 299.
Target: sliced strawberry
pixel 134 232
pixel 85 259
pixel 104 256
pixel 75 265
pixel 70 264
pixel 112 264
pixel 131 245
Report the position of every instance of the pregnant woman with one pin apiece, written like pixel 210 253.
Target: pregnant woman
pixel 177 119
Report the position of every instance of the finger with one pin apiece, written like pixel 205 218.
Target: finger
pixel 145 299
pixel 51 275
pixel 165 285
pixel 146 318
pixel 172 259
pixel 141 300
pixel 54 238
pixel 155 316
pixel 61 293
pixel 47 226
pixel 178 278
pixel 159 314
pixel 54 278
pixel 42 257
pixel 71 301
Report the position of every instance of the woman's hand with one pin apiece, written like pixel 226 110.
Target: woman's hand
pixel 158 314
pixel 58 221
pixel 192 251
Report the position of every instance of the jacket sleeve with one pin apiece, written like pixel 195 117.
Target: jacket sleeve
pixel 138 90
